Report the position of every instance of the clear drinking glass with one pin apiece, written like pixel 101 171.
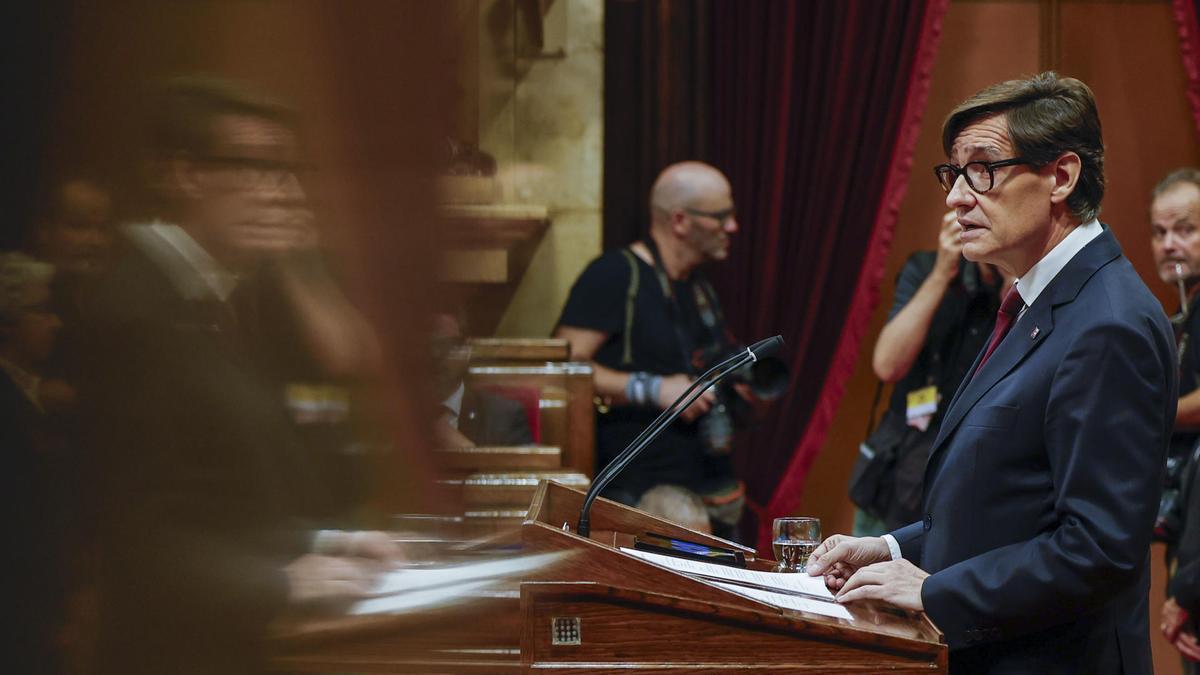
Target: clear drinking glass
pixel 795 539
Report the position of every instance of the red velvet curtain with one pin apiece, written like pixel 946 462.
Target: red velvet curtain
pixel 816 111
pixel 658 80
pixel 1186 12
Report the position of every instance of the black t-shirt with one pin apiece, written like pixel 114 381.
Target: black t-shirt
pixel 1182 442
pixel 960 328
pixel 1185 585
pixel 1189 375
pixel 643 337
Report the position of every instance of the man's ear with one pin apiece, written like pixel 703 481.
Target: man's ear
pixel 1066 170
pixel 180 178
pixel 681 225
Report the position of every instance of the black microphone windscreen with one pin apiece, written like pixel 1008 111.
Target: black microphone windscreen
pixel 768 347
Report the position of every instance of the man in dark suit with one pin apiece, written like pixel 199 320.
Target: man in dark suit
pixel 1042 485
pixel 207 497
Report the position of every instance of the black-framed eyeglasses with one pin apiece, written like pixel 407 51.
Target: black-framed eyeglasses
pixel 719 216
pixel 981 176
pixel 260 171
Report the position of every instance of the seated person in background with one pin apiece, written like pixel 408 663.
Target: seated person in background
pixel 473 416
pixel 34 451
pixel 678 505
pixel 942 315
pixel 74 233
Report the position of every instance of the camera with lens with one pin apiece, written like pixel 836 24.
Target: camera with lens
pixel 767 379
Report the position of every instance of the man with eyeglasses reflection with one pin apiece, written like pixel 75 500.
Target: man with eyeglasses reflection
pixel 211 509
pixel 1032 555
pixel 1175 242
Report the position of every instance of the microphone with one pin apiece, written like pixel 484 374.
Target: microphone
pixel 706 381
pixel 764 348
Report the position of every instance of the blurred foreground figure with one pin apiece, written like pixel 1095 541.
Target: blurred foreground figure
pixel 207 499
pixel 34 453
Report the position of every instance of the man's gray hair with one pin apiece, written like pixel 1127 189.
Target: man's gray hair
pixel 19 273
pixel 1186 174
pixel 1047 115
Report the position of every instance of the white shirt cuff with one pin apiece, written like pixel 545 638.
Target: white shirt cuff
pixel 893 547
pixel 328 542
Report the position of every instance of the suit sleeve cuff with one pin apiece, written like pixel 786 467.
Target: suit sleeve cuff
pixel 893 546
pixel 328 542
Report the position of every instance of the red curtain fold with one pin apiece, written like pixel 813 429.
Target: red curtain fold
pixel 816 112
pixel 657 102
pixel 1186 12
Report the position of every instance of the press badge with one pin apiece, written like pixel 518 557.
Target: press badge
pixel 921 405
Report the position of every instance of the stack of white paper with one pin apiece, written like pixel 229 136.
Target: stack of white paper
pixel 404 590
pixel 762 586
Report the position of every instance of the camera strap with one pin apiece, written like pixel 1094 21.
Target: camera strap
pixel 1183 337
pixel 706 306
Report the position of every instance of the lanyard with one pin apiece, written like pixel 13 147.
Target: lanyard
pixel 706 305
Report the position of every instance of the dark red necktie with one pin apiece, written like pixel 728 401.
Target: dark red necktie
pixel 1005 318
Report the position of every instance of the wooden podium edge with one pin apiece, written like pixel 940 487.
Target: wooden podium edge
pixel 531 592
pixel 538 534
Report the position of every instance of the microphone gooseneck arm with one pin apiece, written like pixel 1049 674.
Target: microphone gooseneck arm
pixel 650 428
pixel 702 384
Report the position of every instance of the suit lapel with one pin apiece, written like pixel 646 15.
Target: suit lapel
pixel 1030 331
pixel 1019 343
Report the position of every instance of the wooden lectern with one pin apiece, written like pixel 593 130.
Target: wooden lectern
pixel 600 610
pixel 605 611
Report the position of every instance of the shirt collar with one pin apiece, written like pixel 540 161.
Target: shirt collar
pixel 1033 282
pixel 193 270
pixel 453 402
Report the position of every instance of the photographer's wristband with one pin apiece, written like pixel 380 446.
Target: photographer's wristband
pixel 642 389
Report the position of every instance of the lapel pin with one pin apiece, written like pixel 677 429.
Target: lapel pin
pixel 1034 333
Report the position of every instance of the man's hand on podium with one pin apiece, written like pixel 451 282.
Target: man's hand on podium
pixel 370 546
pixel 315 577
pixel 377 546
pixel 861 568
pixel 840 556
pixel 895 582
pixel 343 565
